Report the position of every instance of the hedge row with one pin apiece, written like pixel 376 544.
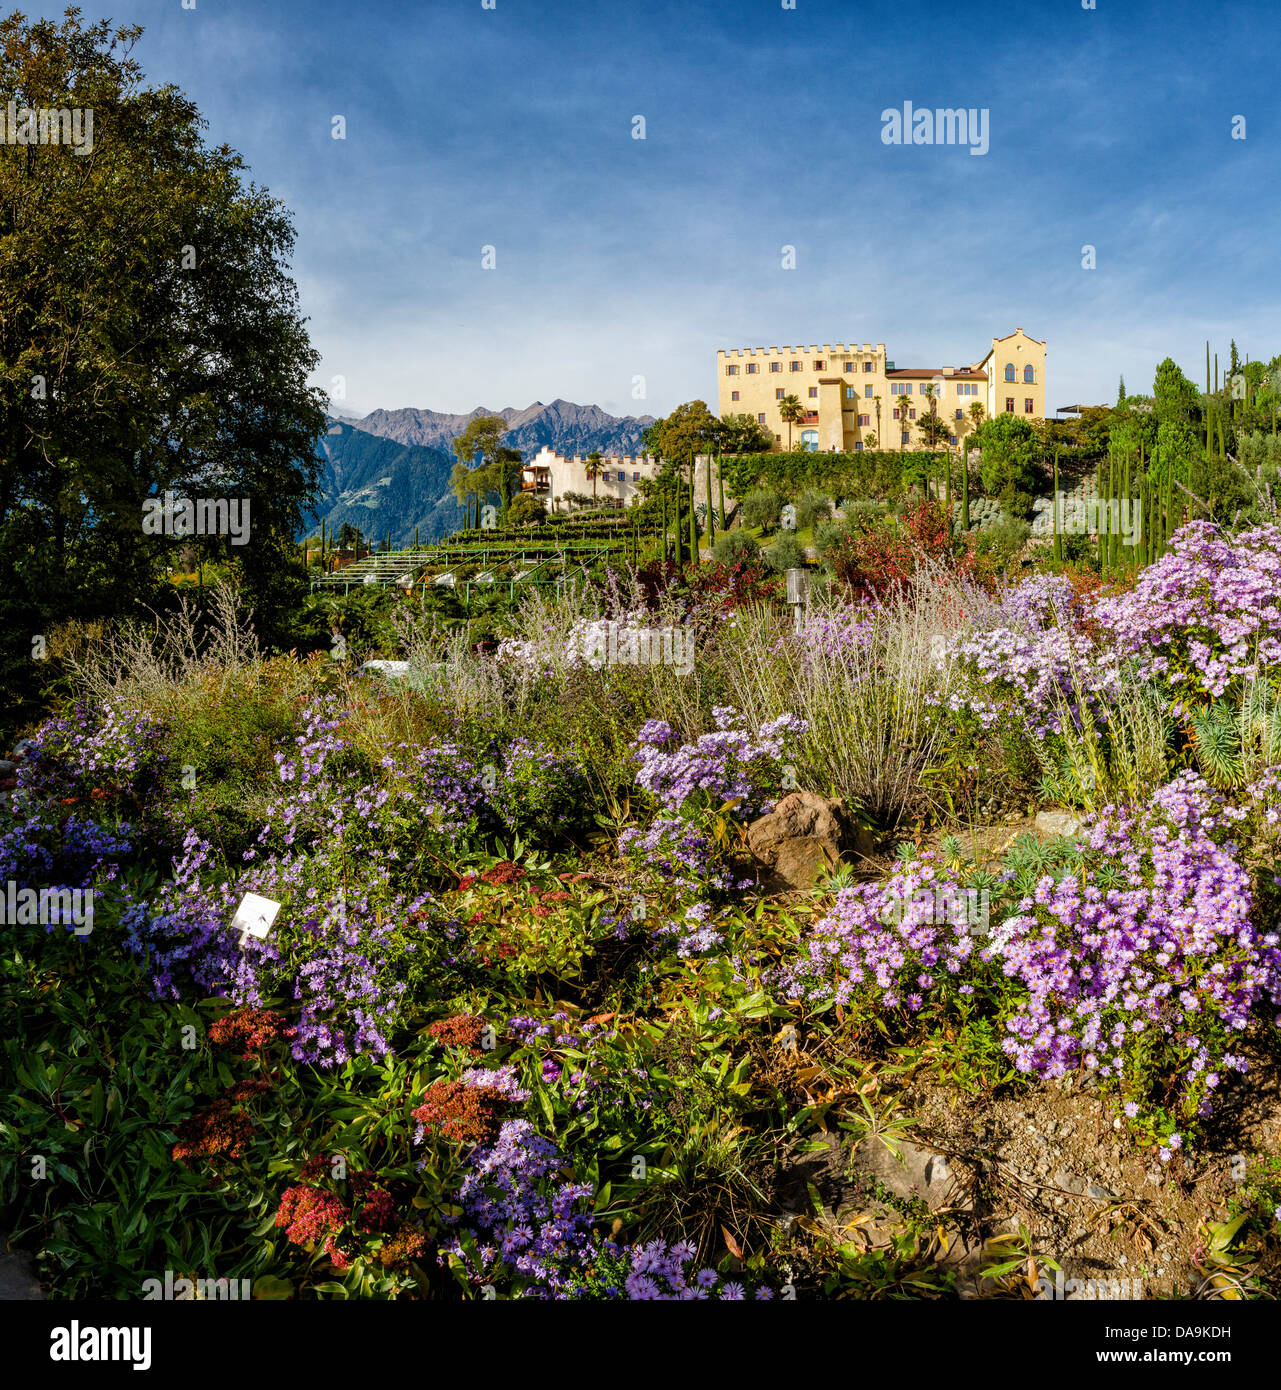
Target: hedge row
pixel 881 473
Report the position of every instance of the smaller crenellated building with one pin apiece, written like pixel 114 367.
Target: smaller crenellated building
pixel 549 476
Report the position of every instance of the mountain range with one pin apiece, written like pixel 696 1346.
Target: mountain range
pixel 389 470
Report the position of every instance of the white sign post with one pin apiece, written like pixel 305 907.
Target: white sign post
pixel 254 917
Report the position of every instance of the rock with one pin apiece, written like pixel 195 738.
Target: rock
pixel 1052 823
pixel 7 769
pixel 923 1173
pixel 801 835
pixel 1099 1192
pixel 1068 1181
pixel 17 1281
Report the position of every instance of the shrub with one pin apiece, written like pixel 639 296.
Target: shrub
pixel 811 507
pixel 526 510
pixel 761 508
pixel 786 553
pixel 829 536
pixel 1005 540
pixel 735 548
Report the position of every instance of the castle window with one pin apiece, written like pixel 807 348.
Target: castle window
pixel 819 365
pixel 849 393
pixel 858 443
pixel 776 366
pixel 904 439
pixel 865 419
pixel 778 393
pixel 951 439
pixel 1009 371
pixel 867 366
pixel 761 418
pixel 752 368
pixel 636 476
pixel 867 391
pixel 813 390
pixel 732 370
pixel 1009 405
pixel 849 366
pixel 1028 374
pixel 1029 406
pixel 911 414
pixel 796 366
pixel 733 395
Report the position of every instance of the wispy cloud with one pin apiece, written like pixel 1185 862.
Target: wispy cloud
pixel 620 258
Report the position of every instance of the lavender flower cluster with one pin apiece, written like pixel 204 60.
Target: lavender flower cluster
pixel 676 852
pixel 520 1215
pixel 1032 675
pixel 1161 943
pixel 727 764
pixel 1143 950
pixel 887 944
pixel 1207 614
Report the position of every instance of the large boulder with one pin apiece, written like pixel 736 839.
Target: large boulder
pixel 1055 823
pixel 804 833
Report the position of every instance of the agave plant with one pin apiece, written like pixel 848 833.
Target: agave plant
pixel 1217 742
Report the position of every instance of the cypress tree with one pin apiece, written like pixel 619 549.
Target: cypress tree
pixel 1058 540
pixel 693 520
pixel 965 490
pixel 1128 506
pixel 1099 512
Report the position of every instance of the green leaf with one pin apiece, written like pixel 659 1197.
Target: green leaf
pixel 273 1289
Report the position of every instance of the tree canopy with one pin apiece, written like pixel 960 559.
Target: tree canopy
pixel 150 338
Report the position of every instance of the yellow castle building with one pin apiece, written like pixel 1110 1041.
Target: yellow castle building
pixel 853 398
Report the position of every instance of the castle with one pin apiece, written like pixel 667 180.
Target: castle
pixel 854 398
pixel 549 476
pixel 850 398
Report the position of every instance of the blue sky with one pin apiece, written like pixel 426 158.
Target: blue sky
pixel 619 258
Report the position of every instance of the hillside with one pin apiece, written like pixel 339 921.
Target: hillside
pixel 390 469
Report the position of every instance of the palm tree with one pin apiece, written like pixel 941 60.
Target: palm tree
pixel 791 412
pixel 930 427
pixel 976 415
pixel 877 401
pixel 592 469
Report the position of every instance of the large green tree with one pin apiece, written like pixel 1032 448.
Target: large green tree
pixel 744 434
pixel 497 468
pixel 1008 466
pixel 150 338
